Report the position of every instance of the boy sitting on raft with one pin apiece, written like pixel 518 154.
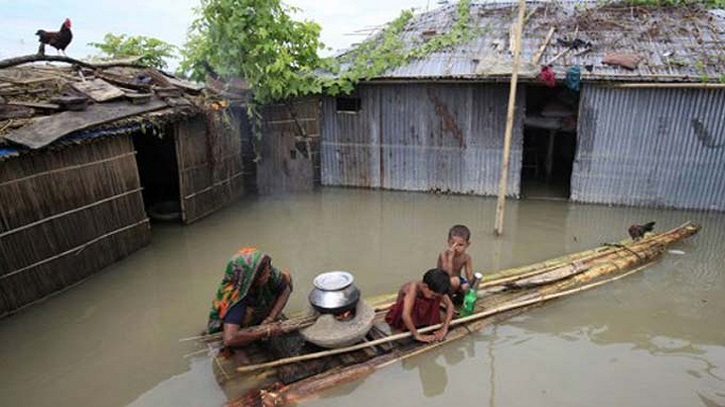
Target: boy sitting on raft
pixel 418 305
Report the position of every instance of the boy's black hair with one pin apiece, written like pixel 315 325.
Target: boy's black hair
pixel 460 231
pixel 438 281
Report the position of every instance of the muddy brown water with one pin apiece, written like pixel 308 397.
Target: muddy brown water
pixel 656 338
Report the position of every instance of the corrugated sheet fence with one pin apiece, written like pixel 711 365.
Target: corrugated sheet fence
pixel 289 148
pixel 651 147
pixel 422 137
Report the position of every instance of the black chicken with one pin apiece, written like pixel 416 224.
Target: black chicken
pixel 636 232
pixel 57 39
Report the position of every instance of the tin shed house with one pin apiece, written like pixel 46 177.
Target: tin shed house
pixel 616 104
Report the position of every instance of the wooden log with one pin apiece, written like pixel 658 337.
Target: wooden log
pixel 25 59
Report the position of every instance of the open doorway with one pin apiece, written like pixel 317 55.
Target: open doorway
pixel 549 142
pixel 158 172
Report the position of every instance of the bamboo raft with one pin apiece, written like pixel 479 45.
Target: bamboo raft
pixel 274 378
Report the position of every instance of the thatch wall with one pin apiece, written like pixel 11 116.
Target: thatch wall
pixel 289 149
pixel 209 156
pixel 65 214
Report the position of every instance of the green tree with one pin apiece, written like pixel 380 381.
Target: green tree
pixel 256 40
pixel 152 51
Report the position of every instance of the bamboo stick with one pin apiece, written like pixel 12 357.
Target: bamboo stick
pixel 68 168
pixel 76 249
pixel 541 50
pixel 500 204
pixel 455 322
pixel 62 214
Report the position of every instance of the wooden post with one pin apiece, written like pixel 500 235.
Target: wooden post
pixel 509 122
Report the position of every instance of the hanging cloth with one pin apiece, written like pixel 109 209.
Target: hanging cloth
pixel 574 78
pixel 547 76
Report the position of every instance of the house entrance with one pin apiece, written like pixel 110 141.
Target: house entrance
pixel 549 142
pixel 158 172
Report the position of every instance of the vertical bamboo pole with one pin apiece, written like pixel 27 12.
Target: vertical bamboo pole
pixel 509 121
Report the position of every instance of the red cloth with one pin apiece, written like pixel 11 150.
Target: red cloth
pixel 426 312
pixel 547 76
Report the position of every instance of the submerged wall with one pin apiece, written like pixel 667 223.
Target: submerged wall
pixel 65 214
pixel 421 137
pixel 651 147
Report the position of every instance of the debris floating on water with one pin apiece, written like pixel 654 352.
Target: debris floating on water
pixel 679 252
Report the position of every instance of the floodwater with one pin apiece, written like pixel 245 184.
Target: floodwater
pixel 656 338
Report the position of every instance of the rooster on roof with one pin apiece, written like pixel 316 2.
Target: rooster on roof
pixel 57 39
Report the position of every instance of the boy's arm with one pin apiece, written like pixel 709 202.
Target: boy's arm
pixel 445 261
pixel 408 301
pixel 441 333
pixel 469 268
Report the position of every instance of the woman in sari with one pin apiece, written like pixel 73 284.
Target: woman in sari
pixel 252 292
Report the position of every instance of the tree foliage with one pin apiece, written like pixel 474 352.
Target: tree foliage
pixel 152 51
pixel 256 40
pixel 259 41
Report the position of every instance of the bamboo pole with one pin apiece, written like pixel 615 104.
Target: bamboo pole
pixel 68 168
pixel 500 204
pixel 541 50
pixel 535 299
pixel 66 213
pixel 74 250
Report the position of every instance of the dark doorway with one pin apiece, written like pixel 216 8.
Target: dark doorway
pixel 549 142
pixel 158 171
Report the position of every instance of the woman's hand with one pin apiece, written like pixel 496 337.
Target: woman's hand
pixel 267 320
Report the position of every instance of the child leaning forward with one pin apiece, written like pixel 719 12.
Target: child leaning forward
pixel 418 305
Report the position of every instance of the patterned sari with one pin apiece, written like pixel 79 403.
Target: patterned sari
pixel 236 285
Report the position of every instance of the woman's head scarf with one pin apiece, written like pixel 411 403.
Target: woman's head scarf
pixel 240 274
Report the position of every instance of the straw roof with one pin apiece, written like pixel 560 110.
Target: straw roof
pixel 51 105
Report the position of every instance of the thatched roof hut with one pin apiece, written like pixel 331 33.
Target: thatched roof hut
pixel 88 153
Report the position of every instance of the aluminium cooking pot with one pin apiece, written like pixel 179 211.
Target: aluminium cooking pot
pixel 334 292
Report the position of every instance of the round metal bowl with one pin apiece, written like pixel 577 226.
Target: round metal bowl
pixel 334 292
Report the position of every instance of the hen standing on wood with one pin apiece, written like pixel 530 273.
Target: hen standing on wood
pixel 636 232
pixel 58 39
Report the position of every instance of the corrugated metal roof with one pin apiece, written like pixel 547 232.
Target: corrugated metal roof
pixel 677 43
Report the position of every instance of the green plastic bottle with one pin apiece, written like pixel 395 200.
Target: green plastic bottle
pixel 469 300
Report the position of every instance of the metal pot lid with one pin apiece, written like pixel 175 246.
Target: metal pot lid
pixel 333 280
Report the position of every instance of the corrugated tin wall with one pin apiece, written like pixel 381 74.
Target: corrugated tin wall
pixel 422 137
pixel 289 147
pixel 651 147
